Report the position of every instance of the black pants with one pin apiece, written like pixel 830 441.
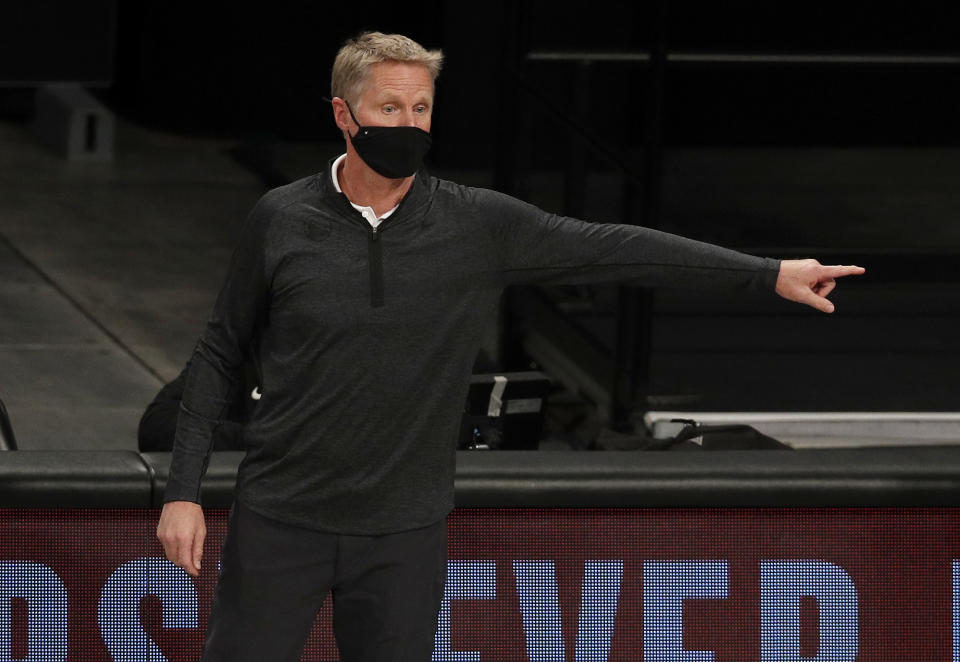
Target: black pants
pixel 275 576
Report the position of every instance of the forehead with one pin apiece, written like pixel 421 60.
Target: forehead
pixel 386 79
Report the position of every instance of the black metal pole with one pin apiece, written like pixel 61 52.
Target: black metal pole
pixel 507 173
pixel 575 172
pixel 510 102
pixel 632 354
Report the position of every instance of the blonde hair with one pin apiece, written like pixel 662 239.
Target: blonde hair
pixel 353 61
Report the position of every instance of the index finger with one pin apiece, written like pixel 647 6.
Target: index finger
pixel 836 271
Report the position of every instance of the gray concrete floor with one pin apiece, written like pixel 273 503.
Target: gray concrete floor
pixel 108 270
pixel 108 273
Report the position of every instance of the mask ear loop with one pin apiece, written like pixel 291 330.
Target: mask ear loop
pixel 347 103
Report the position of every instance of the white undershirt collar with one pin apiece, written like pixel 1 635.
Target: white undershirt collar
pixel 367 212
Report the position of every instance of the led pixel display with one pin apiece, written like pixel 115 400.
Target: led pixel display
pixel 537 584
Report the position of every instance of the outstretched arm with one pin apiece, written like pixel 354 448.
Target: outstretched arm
pixel 533 246
pixel 539 247
pixel 809 282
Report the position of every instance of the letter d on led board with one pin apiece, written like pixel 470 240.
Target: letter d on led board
pixel 782 584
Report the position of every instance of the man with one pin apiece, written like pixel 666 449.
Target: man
pixel 365 289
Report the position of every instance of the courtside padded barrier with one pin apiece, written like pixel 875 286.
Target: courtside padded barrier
pixel 74 479
pixel 900 477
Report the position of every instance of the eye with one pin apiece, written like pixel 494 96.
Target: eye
pixel 389 108
pixel 421 109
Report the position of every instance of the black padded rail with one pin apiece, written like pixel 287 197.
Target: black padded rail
pixel 899 477
pixel 917 476
pixel 73 479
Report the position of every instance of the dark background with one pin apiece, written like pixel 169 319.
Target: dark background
pixel 849 162
pixel 232 69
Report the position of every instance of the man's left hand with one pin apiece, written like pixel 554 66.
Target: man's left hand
pixel 809 282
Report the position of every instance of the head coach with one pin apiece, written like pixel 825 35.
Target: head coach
pixel 363 291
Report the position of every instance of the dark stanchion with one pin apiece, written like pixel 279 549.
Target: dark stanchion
pixel 8 441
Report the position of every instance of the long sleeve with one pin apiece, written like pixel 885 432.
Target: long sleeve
pixel 540 247
pixel 216 367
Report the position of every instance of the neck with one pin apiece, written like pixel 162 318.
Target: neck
pixel 366 188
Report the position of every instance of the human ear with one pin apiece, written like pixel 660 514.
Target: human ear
pixel 340 113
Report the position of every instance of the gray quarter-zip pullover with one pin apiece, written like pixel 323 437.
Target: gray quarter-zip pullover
pixel 365 339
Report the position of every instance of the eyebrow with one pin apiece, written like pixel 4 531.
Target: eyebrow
pixel 397 102
pixel 387 96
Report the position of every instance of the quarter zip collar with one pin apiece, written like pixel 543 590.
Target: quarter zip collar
pixel 368 212
pixel 412 205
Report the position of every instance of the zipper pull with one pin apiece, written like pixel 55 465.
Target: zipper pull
pixel 376 269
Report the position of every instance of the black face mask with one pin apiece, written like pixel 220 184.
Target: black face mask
pixel 392 151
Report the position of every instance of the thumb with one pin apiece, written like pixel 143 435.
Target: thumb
pixel 820 303
pixel 197 550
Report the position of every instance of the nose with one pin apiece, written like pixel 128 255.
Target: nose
pixel 410 118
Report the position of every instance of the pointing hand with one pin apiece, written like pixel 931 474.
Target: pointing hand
pixel 809 282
